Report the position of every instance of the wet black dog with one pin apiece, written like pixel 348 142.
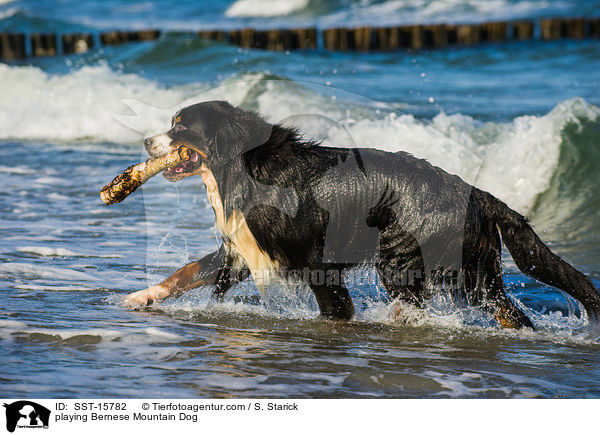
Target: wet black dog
pixel 287 206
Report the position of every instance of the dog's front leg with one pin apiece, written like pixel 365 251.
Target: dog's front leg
pixel 207 271
pixel 226 280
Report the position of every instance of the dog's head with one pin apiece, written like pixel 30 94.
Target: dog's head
pixel 215 130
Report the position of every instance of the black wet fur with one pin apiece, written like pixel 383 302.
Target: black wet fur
pixel 322 208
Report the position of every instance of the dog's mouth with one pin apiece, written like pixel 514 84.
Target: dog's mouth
pixel 184 168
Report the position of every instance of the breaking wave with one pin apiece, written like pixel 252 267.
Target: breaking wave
pixel 264 8
pixel 521 161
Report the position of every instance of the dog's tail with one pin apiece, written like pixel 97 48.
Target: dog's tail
pixel 535 259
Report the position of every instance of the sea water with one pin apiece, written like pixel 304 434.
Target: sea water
pixel 519 119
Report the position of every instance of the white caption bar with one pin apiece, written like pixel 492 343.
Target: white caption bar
pixel 325 416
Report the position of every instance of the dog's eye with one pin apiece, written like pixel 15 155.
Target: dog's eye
pixel 175 120
pixel 179 127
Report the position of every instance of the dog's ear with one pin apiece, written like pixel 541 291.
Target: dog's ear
pixel 239 131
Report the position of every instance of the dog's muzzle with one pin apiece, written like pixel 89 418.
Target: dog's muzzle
pixel 161 144
pixel 158 145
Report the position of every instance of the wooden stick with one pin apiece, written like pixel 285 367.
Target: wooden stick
pixel 134 176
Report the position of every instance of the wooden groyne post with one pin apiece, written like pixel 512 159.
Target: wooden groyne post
pixel 77 43
pixel 277 40
pixel 13 46
pixel 43 44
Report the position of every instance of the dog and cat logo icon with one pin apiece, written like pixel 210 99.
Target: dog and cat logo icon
pixel 25 414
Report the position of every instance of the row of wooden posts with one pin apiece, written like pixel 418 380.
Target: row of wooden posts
pixel 14 45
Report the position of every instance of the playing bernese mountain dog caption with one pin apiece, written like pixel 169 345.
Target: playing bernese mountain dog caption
pixel 284 205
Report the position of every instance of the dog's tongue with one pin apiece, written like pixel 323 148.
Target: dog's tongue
pixel 174 171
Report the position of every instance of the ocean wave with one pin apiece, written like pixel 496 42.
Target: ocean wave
pixel 520 158
pixel 264 8
pixel 430 11
pixel 10 270
pixel 518 161
pixel 9 329
pixel 227 14
pixel 9 12
pixel 367 12
pixel 45 251
pixel 76 106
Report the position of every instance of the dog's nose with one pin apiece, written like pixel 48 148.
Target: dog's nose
pixel 147 142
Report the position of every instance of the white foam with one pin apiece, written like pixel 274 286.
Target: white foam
pixel 50 180
pixel 10 270
pixel 440 314
pixel 520 157
pixel 57 197
pixel 8 328
pixel 18 170
pixel 276 303
pixel 47 252
pixel 264 8
pixel 75 106
pixel 115 244
pixel 11 324
pixel 404 133
pixel 430 11
pixel 8 12
pixel 54 288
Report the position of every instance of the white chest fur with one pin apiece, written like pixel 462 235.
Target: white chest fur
pixel 235 231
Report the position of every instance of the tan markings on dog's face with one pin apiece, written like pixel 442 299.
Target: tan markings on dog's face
pixel 235 229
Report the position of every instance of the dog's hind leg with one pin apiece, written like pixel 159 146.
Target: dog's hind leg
pixel 487 291
pixel 331 293
pixel 509 315
pixel 535 259
pixel 401 267
pixel 481 284
pixel 403 281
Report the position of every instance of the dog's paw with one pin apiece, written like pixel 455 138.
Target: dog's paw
pixel 144 297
